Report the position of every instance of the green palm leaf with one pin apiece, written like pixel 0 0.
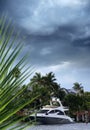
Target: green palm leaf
pixel 12 76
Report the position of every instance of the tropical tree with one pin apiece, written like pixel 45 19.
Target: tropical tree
pixel 53 86
pixel 12 75
pixel 87 99
pixel 37 83
pixel 75 103
pixel 78 88
pixel 49 81
pixel 36 80
pixel 47 87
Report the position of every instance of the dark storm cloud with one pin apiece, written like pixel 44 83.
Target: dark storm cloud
pixel 55 43
pixel 57 32
pixel 67 43
pixel 82 42
pixel 58 35
pixel 45 16
pixel 2 6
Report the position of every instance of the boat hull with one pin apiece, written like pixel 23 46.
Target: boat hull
pixel 49 120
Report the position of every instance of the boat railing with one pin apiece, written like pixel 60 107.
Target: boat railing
pixel 50 106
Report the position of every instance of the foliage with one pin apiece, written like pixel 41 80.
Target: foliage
pixel 11 76
pixel 78 88
pixel 75 103
pixel 47 87
pixel 87 98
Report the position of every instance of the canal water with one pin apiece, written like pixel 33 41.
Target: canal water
pixel 75 126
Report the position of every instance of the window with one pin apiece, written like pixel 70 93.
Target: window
pixel 51 112
pixel 60 113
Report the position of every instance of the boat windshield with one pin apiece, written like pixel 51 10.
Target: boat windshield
pixel 43 111
pixel 56 111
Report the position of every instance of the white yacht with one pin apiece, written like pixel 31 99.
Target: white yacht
pixel 55 113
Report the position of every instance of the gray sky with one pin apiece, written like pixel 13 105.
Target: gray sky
pixel 57 36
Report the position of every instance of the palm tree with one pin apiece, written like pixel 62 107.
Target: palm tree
pixel 12 76
pixel 38 86
pixel 50 82
pixel 36 80
pixel 46 86
pixel 78 88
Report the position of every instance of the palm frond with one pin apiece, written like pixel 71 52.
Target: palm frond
pixel 12 76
